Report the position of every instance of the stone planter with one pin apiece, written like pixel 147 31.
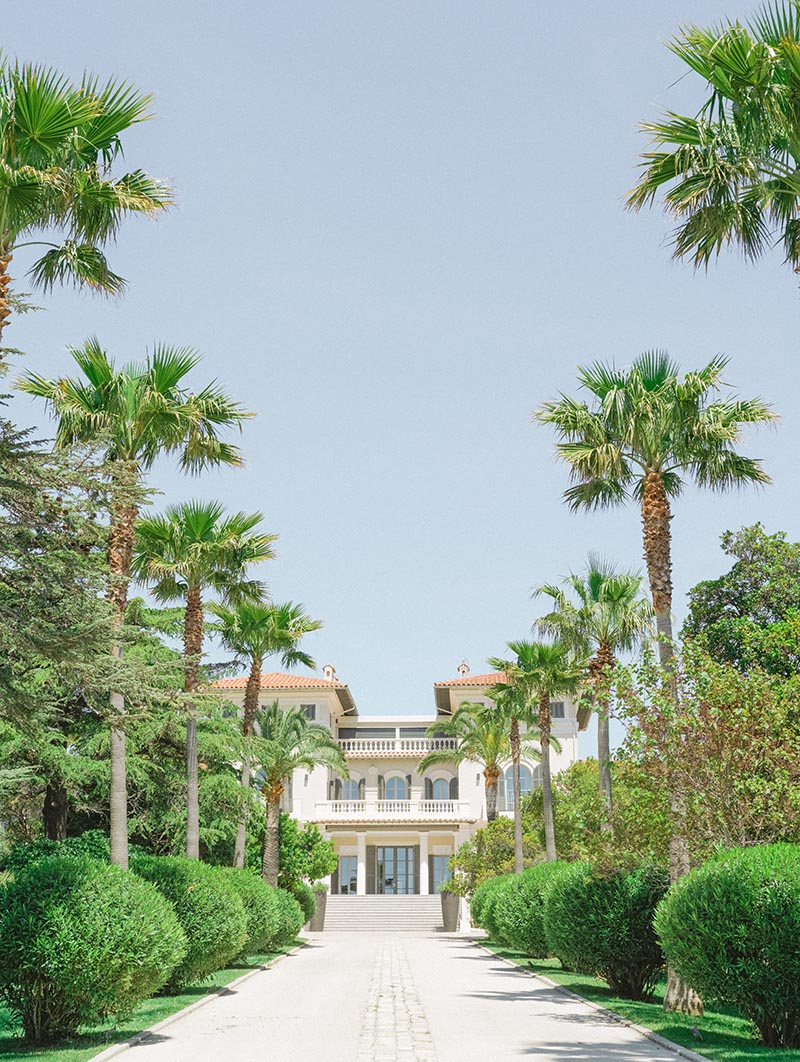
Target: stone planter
pixel 317 923
pixel 450 905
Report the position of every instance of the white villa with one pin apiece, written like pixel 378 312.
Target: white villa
pixel 393 828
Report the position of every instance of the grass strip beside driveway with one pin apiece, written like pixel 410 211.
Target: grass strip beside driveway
pixel 727 1037
pixel 150 1013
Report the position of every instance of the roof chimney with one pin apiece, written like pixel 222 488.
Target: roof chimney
pixel 463 668
pixel 329 671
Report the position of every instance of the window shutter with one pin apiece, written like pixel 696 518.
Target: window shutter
pixel 381 787
pixel 338 789
pixel 408 787
pixel 428 789
pixel 454 789
pixel 332 789
pixel 362 788
pixel 372 862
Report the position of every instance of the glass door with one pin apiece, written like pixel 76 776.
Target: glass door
pixel 441 870
pixel 348 875
pixel 396 871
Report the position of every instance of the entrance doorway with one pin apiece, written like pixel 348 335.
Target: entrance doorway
pixel 395 871
pixel 441 871
pixel 348 875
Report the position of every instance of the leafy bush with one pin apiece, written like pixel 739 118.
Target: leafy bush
pixel 484 901
pixel 731 928
pixel 519 908
pixel 290 918
pixel 80 942
pixel 601 923
pixel 261 909
pixel 208 907
pixel 92 843
pixel 304 895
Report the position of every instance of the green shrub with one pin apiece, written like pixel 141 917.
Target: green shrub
pixel 601 923
pixel 208 907
pixel 92 843
pixel 519 908
pixel 261 909
pixel 290 918
pixel 731 928
pixel 484 901
pixel 304 895
pixel 81 941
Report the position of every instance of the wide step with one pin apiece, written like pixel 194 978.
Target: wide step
pixel 393 914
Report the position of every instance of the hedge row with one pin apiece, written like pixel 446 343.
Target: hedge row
pixel 82 941
pixel 730 928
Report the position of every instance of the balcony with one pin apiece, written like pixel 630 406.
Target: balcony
pixel 397 748
pixel 379 811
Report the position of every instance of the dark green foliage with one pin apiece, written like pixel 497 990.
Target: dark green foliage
pixel 490 851
pixel 483 902
pixel 290 918
pixel 81 942
pixel 732 929
pixel 519 908
pixel 261 909
pixel 92 843
pixel 304 895
pixel 601 923
pixel 750 616
pixel 208 907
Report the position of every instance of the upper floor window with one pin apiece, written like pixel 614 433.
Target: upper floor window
pixel 351 789
pixel 441 789
pixel 557 710
pixel 396 789
pixel 527 780
pixel 309 710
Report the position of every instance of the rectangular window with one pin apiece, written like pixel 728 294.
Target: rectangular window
pixel 309 710
pixel 557 709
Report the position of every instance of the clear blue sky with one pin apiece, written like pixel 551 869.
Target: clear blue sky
pixel 400 228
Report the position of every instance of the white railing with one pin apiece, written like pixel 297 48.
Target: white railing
pixel 395 746
pixel 393 811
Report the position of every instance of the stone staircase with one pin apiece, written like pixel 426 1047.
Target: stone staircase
pixel 388 914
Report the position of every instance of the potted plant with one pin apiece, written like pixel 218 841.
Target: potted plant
pixel 451 902
pixel 317 923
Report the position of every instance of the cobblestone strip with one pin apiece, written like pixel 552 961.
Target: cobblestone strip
pixel 395 1028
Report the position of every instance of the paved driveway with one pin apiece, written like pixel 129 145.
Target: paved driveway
pixel 385 998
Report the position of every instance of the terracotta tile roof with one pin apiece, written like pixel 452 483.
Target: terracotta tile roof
pixel 475 680
pixel 279 680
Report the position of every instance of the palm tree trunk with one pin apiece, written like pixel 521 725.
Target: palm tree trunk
pixel 192 648
pixel 491 775
pixel 600 670
pixel 547 784
pixel 515 757
pixel 270 863
pixel 5 304
pixel 656 517
pixel 251 695
pixel 118 556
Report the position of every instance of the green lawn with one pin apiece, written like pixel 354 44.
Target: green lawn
pixel 726 1036
pixel 149 1013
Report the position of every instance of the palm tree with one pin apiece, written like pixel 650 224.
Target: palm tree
pixel 729 171
pixel 605 616
pixel 135 414
pixel 285 740
pixel 191 548
pixel 58 143
pixel 253 630
pixel 539 672
pixel 481 733
pixel 647 430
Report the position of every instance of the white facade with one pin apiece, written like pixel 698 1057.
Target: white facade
pixel 393 827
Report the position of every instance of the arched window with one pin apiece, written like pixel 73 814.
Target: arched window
pixel 441 789
pixel 526 783
pixel 396 789
pixel 351 789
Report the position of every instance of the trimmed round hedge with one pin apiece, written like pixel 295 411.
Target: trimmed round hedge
pixel 519 908
pixel 601 923
pixel 81 941
pixel 304 895
pixel 731 928
pixel 483 902
pixel 290 918
pixel 208 907
pixel 262 910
